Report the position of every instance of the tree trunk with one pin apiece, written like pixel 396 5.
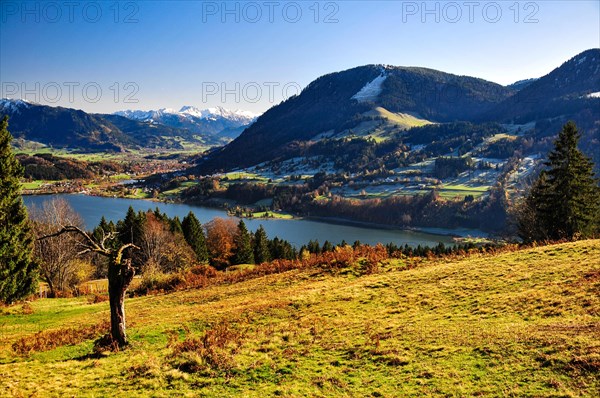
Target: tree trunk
pixel 51 287
pixel 120 275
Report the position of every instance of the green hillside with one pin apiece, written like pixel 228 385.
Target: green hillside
pixel 524 323
pixel 384 125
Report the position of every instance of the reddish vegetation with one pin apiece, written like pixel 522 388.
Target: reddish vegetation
pixel 50 339
pixel 362 259
pixel 213 351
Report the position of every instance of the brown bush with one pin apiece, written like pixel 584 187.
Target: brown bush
pixel 26 309
pixel 97 298
pixel 215 351
pixel 106 343
pixel 51 339
pixel 192 278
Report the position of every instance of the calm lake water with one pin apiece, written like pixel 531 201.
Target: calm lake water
pixel 297 231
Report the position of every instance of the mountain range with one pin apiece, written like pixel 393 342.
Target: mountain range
pixel 214 122
pixel 75 129
pixel 373 100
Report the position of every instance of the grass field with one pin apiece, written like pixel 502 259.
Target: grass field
pixel 176 191
pixel 272 214
pixel 36 184
pixel 522 324
pixel 452 191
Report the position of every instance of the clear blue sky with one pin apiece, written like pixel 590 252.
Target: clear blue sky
pixel 186 53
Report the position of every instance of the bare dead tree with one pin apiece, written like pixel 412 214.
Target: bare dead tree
pixel 58 264
pixel 120 275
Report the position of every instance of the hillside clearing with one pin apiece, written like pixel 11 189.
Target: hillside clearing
pixel 525 323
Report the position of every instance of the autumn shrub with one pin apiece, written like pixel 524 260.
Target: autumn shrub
pixel 157 282
pixel 50 339
pixel 194 277
pixel 371 257
pixel 213 352
pixel 26 309
pixel 359 259
pixel 97 298
pixel 106 343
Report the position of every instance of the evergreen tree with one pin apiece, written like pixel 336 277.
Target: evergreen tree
pixel 131 227
pixel 175 225
pixel 160 215
pixel 531 226
pixel 565 201
pixel 262 253
pixel 18 271
pixel 194 236
pixel 104 228
pixel 131 230
pixel 282 249
pixel 327 247
pixel 314 247
pixel 244 253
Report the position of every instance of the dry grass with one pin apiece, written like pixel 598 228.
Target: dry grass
pixel 50 339
pixel 522 323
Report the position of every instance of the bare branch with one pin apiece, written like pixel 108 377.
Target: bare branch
pixel 122 249
pixel 106 237
pixel 91 244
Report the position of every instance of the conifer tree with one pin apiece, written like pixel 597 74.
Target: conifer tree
pixel 104 228
pixel 175 225
pixel 244 253
pixel 194 236
pixel 131 230
pixel 565 200
pixel 18 271
pixel 262 253
pixel 130 227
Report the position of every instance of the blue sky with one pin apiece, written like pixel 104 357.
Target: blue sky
pixel 108 56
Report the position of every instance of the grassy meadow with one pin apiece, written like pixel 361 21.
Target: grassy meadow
pixel 522 324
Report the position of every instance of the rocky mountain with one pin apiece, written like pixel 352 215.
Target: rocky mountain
pixel 218 122
pixel 75 129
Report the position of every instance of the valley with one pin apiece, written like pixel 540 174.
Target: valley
pixel 351 145
pixel 300 199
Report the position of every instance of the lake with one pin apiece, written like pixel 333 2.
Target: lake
pixel 296 231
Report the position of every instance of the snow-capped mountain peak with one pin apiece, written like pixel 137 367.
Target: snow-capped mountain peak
pixel 13 105
pixel 216 120
pixel 188 111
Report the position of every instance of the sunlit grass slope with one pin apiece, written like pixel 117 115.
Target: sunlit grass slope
pixel 519 324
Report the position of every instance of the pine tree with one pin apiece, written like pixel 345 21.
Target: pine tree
pixel 244 253
pixel 132 227
pixel 565 201
pixel 314 246
pixel 18 271
pixel 104 228
pixel 175 225
pixel 327 247
pixel 532 227
pixel 262 253
pixel 131 230
pixel 194 236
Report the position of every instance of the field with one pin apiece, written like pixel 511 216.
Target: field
pixel 452 191
pixel 524 323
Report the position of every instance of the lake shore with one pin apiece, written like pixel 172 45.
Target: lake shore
pixel 298 231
